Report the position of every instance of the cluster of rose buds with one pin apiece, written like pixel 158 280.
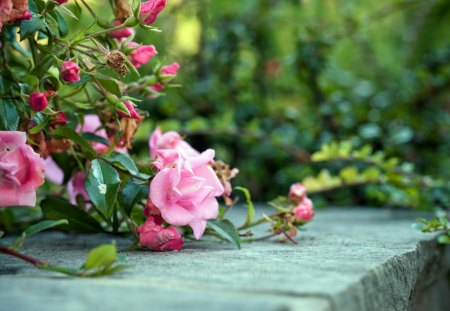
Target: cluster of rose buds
pixel 295 212
pixel 304 209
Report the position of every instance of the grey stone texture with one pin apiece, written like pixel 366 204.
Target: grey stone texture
pixel 347 259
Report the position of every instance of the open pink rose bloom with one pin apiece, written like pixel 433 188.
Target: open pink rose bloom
pixel 21 170
pixel 185 188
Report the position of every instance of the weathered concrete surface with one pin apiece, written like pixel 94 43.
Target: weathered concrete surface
pixel 348 259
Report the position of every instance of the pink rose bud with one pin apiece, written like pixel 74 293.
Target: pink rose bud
pixel 132 114
pixel 70 72
pixel 170 69
pixel 59 119
pixel 21 170
pixel 150 11
pixel 121 33
pixel 304 212
pixel 142 54
pixel 157 238
pixel 38 101
pixel 157 87
pixel 169 72
pixel 61 1
pixel 297 192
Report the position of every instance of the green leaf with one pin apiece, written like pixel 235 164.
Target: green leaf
pixel 40 126
pixel 102 185
pixel 44 225
pixel 111 86
pixel 248 204
pixel 94 138
pixel 101 257
pixel 9 118
pixel 57 209
pixel 349 174
pixel 63 26
pixel 444 238
pixel 67 132
pixel 44 65
pixel 132 193
pixel 227 230
pixel 68 12
pixel 29 27
pixel 123 160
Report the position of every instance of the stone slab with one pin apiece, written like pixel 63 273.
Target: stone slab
pixel 348 259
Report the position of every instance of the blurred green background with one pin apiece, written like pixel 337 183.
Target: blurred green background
pixel 266 82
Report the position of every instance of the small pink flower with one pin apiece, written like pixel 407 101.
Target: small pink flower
pixel 121 33
pixel 76 187
pixel 21 170
pixel 70 72
pixel 61 1
pixel 142 54
pixel 53 172
pixel 304 211
pixel 132 114
pixel 150 10
pixel 185 193
pixel 38 101
pixel 297 192
pixel 157 238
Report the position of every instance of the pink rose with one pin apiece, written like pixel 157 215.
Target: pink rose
pixel 92 124
pixel 132 114
pixel 157 238
pixel 141 55
pixel 76 187
pixel 304 212
pixel 53 172
pixel 5 12
pixel 150 11
pixel 21 170
pixel 70 72
pixel 297 192
pixel 61 1
pixel 121 33
pixel 169 140
pixel 38 101
pixel 185 193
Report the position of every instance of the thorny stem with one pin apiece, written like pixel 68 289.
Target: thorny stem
pixel 33 261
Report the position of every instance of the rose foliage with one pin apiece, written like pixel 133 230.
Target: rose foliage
pixel 69 112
